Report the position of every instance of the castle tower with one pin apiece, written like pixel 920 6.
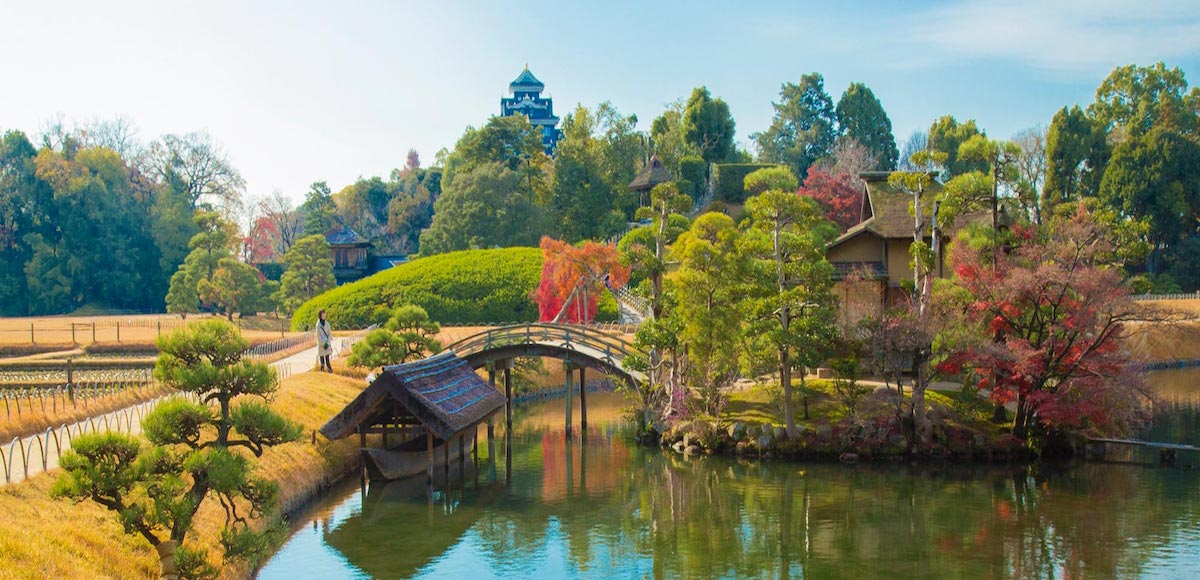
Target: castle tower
pixel 527 100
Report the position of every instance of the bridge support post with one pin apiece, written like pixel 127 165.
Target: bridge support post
pixel 583 400
pixel 508 395
pixel 569 371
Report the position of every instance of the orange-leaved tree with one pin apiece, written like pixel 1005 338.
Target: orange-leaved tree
pixel 576 274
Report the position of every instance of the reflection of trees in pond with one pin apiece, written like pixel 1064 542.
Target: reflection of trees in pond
pixel 643 512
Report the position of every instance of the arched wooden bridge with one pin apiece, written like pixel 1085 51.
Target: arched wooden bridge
pixel 580 347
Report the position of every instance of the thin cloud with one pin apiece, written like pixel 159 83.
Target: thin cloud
pixel 1083 36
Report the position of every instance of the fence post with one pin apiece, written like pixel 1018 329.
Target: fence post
pixel 31 340
pixel 70 382
pixel 73 333
pixel 93 333
pixel 118 331
pixel 159 332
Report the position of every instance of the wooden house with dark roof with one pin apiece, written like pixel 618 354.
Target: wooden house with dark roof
pixel 878 247
pixel 419 408
pixel 354 256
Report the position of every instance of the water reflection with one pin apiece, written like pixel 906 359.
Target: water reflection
pixel 598 506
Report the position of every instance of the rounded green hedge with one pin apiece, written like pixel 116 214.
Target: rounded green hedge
pixel 467 287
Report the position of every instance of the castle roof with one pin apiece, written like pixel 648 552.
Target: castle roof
pixel 526 82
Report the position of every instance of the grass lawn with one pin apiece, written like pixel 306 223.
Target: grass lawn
pixel 45 538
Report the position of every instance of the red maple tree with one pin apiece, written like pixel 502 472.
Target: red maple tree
pixel 580 270
pixel 1052 308
pixel 839 194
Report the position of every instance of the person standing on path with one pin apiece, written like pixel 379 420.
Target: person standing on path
pixel 324 342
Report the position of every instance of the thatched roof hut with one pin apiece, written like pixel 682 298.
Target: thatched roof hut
pixel 442 393
pixel 653 174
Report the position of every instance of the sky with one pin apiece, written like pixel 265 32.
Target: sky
pixel 297 92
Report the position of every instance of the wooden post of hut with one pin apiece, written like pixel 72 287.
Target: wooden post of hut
pixel 429 447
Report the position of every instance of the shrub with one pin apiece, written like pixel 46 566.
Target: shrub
pixel 466 287
pixel 729 180
pixel 694 170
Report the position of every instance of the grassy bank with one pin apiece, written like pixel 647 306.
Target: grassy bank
pixel 45 538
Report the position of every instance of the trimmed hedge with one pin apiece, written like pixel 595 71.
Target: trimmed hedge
pixel 467 287
pixel 729 180
pixel 695 171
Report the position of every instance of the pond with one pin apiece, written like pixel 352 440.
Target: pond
pixel 598 506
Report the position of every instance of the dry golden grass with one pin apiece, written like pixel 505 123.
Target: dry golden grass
pixel 138 330
pixel 45 538
pixel 41 537
pixel 1162 342
pixel 34 420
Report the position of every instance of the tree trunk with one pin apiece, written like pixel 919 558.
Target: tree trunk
pixel 785 378
pixel 1019 422
pixel 166 559
pixel 804 393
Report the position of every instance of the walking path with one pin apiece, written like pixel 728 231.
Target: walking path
pixel 24 458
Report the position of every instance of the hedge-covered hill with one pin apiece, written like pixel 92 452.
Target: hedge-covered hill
pixel 467 287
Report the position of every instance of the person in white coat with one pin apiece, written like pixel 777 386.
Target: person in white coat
pixel 324 342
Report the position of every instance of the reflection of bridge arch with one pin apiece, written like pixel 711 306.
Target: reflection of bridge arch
pixel 582 346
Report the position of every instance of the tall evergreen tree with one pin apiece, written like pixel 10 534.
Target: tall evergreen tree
pixel 708 126
pixel 804 128
pixel 1076 156
pixel 860 115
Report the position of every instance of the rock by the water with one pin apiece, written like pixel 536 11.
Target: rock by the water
pixel 692 450
pixel 737 431
pixel 824 432
pixel 764 441
pixel 848 457
pixel 678 447
pixel 779 432
pixel 741 446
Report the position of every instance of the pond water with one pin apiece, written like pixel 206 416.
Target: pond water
pixel 598 506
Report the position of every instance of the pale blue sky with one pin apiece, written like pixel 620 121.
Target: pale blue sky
pixel 305 91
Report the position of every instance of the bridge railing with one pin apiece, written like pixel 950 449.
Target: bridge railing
pixel 570 337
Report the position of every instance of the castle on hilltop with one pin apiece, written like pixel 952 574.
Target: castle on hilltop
pixel 527 100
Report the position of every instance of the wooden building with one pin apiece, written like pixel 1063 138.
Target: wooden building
pixel 877 249
pixel 420 409
pixel 651 175
pixel 354 256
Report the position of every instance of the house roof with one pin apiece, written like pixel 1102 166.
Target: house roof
pixel 526 82
pixel 653 174
pixel 442 392
pixel 344 236
pixel 886 210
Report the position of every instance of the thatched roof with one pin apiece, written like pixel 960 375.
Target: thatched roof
pixel 442 392
pixel 653 174
pixel 886 210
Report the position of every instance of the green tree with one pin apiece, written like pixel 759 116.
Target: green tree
pixel 410 208
pixel 666 138
pixel 156 489
pixel 1133 99
pixel 644 249
pixel 234 286
pixel 182 296
pixel 488 206
pixel 1076 156
pixel 793 306
pixel 511 142
pixel 1155 178
pixel 804 128
pixel 946 135
pixel 25 202
pixel 318 209
pixel 708 126
pixel 860 115
pixel 408 335
pixel 707 291
pixel 309 272
pixel 582 197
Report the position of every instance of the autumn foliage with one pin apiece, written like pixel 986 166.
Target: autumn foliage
pixel 1052 310
pixel 839 194
pixel 565 268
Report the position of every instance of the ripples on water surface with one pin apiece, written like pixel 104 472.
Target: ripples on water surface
pixel 604 508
